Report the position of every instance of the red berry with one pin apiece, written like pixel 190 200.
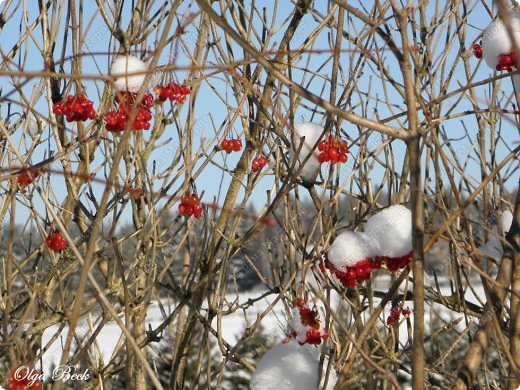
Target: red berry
pixel 56 242
pixel 190 205
pixel 23 378
pixel 27 178
pixel 477 50
pixel 256 164
pixel 313 337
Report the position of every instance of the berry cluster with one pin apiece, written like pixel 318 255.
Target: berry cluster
pixel 477 50
pixel 26 178
pixel 172 92
pixel 352 276
pixel 332 150
pixel 258 163
pixel 506 62
pixel 190 205
pixel 306 325
pixel 394 263
pixel 56 242
pixel 76 108
pixel 231 145
pixel 395 314
pixel 117 120
pixel 24 379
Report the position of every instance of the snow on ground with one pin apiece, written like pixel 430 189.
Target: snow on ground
pixel 233 325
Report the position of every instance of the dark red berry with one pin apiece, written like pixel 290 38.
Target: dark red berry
pixel 56 242
pixel 477 50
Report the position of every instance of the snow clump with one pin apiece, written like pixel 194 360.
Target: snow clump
pixel 392 229
pixel 312 133
pixel 128 64
pixel 291 367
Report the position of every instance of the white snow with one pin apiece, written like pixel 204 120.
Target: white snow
pixel 392 229
pixel 350 247
pixel 128 64
pixel 290 367
pixel 496 40
pixel 296 324
pixel 506 220
pixel 493 247
pixel 312 133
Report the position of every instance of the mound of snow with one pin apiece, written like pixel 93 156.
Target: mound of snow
pixel 496 40
pixel 351 247
pixel 506 220
pixel 392 229
pixel 128 64
pixel 290 367
pixel 312 133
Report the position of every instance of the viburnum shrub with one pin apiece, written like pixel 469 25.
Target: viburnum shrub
pixel 56 242
pixel 190 205
pixel 231 145
pixel 258 163
pixel 76 108
pixel 333 150
pixel 306 325
pixel 24 379
pixel 172 92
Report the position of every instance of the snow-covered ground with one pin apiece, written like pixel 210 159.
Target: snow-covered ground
pixel 233 325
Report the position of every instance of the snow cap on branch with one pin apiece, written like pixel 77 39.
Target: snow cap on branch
pixel 290 367
pixel 496 40
pixel 506 220
pixel 128 64
pixel 392 229
pixel 351 247
pixel 312 133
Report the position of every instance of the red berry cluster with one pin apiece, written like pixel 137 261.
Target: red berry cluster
pixel 477 50
pixel 172 92
pixel 24 379
pixel 231 145
pixel 258 163
pixel 56 242
pixel 27 178
pixel 395 314
pixel 395 263
pixel 332 150
pixel 76 108
pixel 309 319
pixel 354 275
pixel 116 120
pixel 506 62
pixel 190 205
